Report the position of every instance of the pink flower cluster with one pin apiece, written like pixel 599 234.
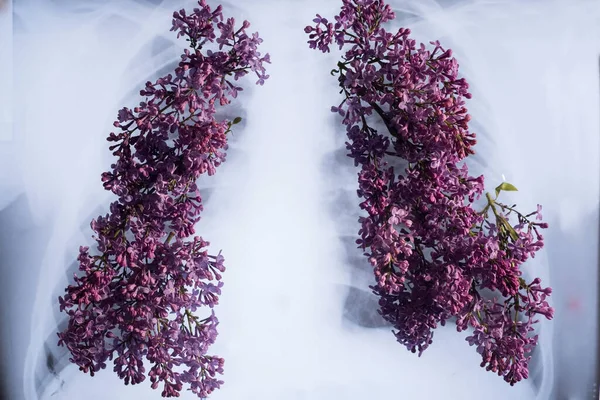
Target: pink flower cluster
pixel 435 258
pixel 137 297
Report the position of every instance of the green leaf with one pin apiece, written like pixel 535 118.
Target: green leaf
pixel 237 120
pixel 507 187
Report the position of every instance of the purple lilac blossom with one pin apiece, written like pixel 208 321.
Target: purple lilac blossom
pixel 137 296
pixel 431 252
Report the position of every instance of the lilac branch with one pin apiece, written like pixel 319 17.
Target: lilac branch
pixel 136 299
pixel 431 252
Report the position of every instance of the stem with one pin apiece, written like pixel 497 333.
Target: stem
pixel 170 237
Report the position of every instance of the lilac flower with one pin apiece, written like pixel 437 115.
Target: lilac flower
pixel 431 252
pixel 136 297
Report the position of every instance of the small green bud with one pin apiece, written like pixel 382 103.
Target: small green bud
pixel 507 187
pixel 522 283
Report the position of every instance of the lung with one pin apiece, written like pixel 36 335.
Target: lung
pixel 296 305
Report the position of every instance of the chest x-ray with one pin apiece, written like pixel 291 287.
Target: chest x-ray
pixel 297 317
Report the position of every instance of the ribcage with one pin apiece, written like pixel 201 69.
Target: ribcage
pixel 293 308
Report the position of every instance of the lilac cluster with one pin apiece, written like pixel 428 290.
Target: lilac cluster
pixel 137 297
pixel 435 258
